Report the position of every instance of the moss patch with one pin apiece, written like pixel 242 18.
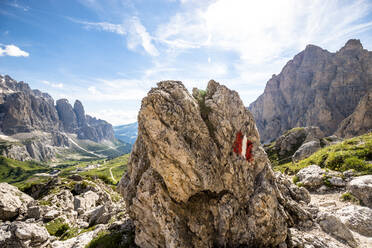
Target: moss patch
pixel 106 239
pixel 57 227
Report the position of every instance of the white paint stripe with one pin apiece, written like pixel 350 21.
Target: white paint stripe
pixel 244 146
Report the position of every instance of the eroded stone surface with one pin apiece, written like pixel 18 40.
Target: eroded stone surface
pixel 185 186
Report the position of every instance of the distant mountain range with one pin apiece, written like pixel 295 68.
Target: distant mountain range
pixel 32 127
pixel 318 88
pixel 127 133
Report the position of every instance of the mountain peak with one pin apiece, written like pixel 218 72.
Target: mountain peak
pixel 352 44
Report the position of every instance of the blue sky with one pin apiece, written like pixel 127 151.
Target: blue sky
pixel 109 53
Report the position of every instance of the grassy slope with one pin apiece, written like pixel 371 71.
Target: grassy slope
pixel 13 171
pixel 22 174
pixel 118 167
pixel 354 153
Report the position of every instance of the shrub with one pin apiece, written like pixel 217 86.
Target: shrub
pixel 106 239
pixel 350 198
pixel 57 227
pixel 295 179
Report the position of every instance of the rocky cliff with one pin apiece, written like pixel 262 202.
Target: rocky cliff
pixel 24 111
pixel 198 176
pixel 316 88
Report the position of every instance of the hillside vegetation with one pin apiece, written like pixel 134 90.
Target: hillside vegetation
pixel 25 174
pixel 354 153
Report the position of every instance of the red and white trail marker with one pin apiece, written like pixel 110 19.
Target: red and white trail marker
pixel 243 146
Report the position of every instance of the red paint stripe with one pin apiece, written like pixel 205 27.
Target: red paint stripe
pixel 248 153
pixel 238 143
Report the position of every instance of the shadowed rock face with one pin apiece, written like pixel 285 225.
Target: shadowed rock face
pixel 67 115
pixel 360 121
pixel 185 185
pixel 315 88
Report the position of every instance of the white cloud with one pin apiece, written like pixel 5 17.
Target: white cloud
pixel 264 35
pixel 132 29
pixel 116 116
pixel 139 36
pixel 54 85
pixel 105 26
pixel 12 50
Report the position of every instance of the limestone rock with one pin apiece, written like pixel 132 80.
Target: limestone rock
pixel 24 111
pixel 317 239
pixel 80 113
pixel 67 115
pixel 85 201
pixel 311 177
pixel 317 88
pixel 13 202
pixel 357 218
pixel 361 187
pixel 25 235
pixel 287 147
pixel 306 149
pixel 185 185
pixel 360 121
pixel 80 241
pixel 332 225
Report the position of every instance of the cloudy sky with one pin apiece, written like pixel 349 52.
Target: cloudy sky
pixel 109 53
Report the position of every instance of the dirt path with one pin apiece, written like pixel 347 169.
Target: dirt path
pixel 112 176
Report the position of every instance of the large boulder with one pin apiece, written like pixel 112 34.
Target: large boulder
pixel 85 201
pixel 287 146
pixel 357 218
pixel 306 149
pixel 13 202
pixel 333 226
pixel 361 187
pixel 311 177
pixel 23 235
pixel 198 176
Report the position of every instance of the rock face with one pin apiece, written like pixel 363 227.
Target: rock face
pixel 318 88
pixel 23 111
pixel 67 115
pixel 13 202
pixel 26 111
pixel 198 176
pixel 360 121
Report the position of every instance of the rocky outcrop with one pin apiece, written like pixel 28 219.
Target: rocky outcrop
pixel 360 121
pixel 317 88
pixel 294 144
pixel 361 187
pixel 80 113
pixel 13 202
pixel 315 178
pixel 25 111
pixel 198 176
pixel 23 234
pixel 67 115
pixel 96 130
